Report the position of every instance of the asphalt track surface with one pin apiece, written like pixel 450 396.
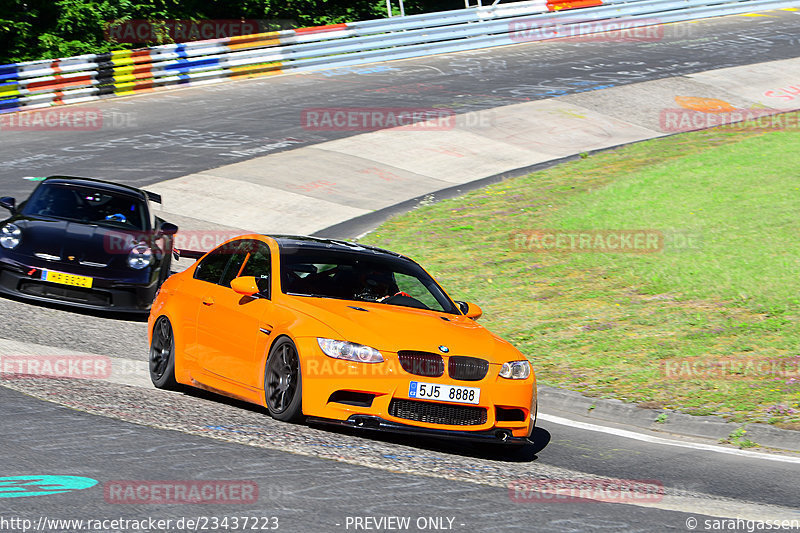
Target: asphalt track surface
pixel 313 494
pixel 171 134
pixel 150 138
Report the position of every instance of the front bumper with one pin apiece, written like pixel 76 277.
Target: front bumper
pixel 24 281
pixel 369 422
pixel 377 396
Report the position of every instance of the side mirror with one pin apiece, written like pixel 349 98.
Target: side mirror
pixel 9 203
pixel 471 310
pixel 168 229
pixel 245 285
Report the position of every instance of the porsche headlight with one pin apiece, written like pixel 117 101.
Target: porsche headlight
pixel 515 370
pixel 10 236
pixel 349 351
pixel 140 257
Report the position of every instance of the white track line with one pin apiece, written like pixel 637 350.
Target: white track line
pixel 665 442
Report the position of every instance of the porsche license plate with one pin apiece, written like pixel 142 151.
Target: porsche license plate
pixel 443 393
pixel 66 279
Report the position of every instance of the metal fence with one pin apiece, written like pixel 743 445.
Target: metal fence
pixel 38 84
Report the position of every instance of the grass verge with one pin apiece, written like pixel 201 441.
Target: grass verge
pixel 705 323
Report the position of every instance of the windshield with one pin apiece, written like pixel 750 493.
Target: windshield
pixel 361 277
pixel 88 205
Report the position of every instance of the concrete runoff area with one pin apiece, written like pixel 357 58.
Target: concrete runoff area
pixel 334 176
pixel 245 204
pixel 763 83
pixel 338 180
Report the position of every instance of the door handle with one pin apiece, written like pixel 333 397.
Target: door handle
pixel 208 300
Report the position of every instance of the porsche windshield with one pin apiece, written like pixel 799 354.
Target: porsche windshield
pixel 362 277
pixel 89 205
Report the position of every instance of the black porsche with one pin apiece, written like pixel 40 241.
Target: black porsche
pixel 86 243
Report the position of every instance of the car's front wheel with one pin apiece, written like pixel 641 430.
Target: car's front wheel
pixel 162 355
pixel 283 382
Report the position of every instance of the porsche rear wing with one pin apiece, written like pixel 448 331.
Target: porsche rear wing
pixel 153 197
pixel 189 254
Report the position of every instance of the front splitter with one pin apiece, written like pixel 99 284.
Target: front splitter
pixel 375 423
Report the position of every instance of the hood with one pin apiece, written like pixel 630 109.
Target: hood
pixel 391 328
pixel 72 241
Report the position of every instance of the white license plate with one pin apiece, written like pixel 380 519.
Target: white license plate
pixel 443 393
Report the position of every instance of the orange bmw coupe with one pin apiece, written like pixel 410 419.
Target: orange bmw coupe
pixel 341 333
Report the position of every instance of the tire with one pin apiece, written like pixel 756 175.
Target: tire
pixel 162 355
pixel 283 382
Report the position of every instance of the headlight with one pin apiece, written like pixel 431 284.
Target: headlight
pixel 10 236
pixel 349 351
pixel 515 370
pixel 140 256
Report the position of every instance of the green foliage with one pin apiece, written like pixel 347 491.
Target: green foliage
pixel 737 439
pixel 42 29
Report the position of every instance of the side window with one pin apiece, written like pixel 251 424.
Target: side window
pixel 414 288
pixel 235 265
pixel 258 265
pixel 216 265
pixel 213 266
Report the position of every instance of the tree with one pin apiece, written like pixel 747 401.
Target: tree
pixel 40 29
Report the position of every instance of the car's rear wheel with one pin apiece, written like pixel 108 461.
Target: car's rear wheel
pixel 162 355
pixel 283 382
